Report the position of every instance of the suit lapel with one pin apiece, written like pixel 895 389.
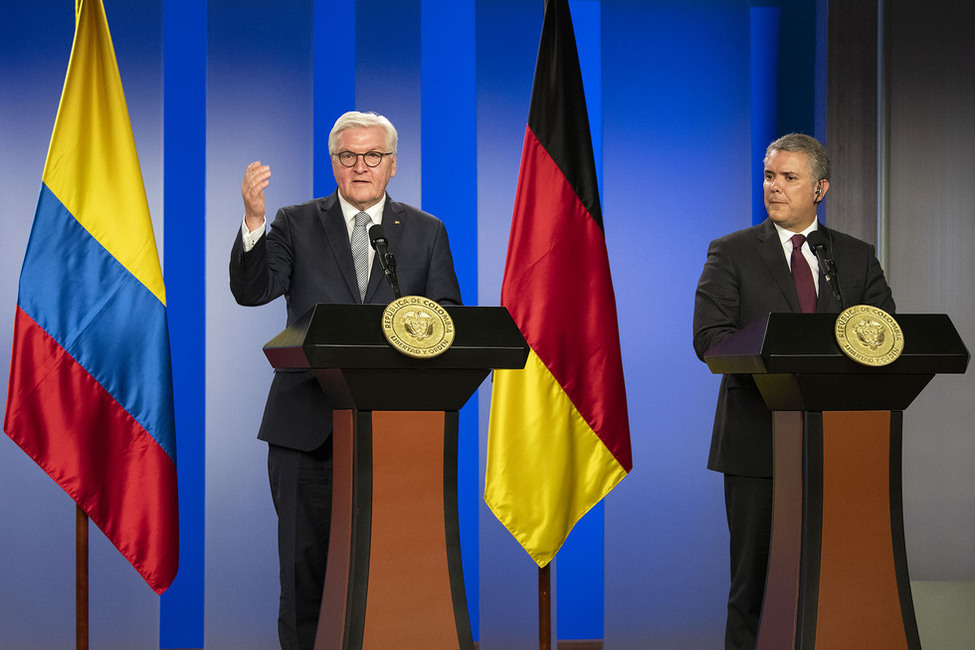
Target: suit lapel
pixel 770 249
pixel 393 221
pixel 337 238
pixel 827 301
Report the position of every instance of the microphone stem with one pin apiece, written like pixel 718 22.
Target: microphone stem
pixel 829 273
pixel 389 266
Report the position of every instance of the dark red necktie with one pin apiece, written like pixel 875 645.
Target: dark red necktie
pixel 802 276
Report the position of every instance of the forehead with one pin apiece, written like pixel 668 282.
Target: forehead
pixel 795 162
pixel 362 138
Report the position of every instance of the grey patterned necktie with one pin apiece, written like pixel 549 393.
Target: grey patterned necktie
pixel 360 251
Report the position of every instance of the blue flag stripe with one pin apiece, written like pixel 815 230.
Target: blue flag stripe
pixel 107 320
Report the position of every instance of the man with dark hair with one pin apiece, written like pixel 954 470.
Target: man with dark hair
pixel 748 274
pixel 308 256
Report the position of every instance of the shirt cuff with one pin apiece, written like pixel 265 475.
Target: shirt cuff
pixel 250 238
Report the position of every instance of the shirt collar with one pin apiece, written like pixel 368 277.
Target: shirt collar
pixel 349 211
pixel 786 235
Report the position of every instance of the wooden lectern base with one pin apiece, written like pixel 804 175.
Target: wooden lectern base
pixel 838 573
pixel 394 577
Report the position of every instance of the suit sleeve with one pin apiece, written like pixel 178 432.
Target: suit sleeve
pixel 717 300
pixel 262 274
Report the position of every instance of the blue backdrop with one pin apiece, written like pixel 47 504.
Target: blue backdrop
pixel 214 85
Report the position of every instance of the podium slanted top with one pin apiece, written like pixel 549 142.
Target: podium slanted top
pixel 806 343
pixel 351 336
pixel 798 365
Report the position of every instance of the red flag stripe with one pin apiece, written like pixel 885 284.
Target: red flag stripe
pixel 558 288
pixel 116 471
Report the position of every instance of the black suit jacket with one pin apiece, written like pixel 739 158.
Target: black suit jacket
pixel 746 277
pixel 306 257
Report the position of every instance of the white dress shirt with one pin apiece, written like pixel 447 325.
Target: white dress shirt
pixel 785 236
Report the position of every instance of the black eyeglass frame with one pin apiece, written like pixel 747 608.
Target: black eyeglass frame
pixel 352 162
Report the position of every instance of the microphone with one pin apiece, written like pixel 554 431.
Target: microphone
pixel 377 237
pixel 819 245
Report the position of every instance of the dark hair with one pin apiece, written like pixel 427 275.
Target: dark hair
pixel 819 166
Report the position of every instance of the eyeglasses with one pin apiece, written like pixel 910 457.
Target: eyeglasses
pixel 371 158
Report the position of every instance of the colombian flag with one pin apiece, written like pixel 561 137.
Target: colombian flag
pixel 559 437
pixel 90 397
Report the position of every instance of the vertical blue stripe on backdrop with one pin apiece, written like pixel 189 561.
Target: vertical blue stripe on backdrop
pixel 387 76
pixel 181 622
pixel 333 44
pixel 764 27
pixel 579 566
pixel 449 138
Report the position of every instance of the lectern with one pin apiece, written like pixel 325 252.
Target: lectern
pixel 837 575
pixel 394 576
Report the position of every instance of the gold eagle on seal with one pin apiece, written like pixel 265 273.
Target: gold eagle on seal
pixel 419 324
pixel 870 333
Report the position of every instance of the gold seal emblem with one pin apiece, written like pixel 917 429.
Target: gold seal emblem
pixel 418 327
pixel 869 335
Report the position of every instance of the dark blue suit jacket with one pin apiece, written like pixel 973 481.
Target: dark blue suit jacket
pixel 746 277
pixel 306 257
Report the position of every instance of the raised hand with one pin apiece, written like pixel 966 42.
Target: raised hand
pixel 256 178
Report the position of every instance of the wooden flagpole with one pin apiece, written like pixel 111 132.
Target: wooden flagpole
pixel 545 607
pixel 81 579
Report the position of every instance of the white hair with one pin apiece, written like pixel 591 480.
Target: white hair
pixel 357 119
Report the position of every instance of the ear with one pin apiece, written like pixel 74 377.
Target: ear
pixel 819 192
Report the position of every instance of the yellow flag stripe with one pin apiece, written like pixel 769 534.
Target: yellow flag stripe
pixel 92 165
pixel 547 467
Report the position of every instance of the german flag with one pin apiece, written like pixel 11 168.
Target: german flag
pixel 559 436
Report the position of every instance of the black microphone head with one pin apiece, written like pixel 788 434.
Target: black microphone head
pixel 376 234
pixel 816 239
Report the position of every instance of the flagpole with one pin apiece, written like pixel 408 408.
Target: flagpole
pixel 81 579
pixel 545 607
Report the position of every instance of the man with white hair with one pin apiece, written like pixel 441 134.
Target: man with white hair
pixel 307 256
